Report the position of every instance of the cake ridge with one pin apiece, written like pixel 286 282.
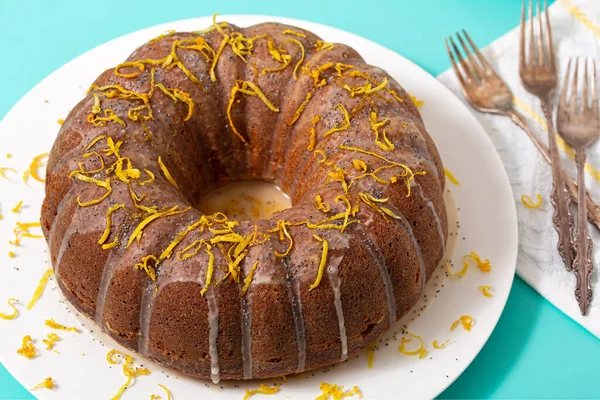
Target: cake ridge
pixel 293 289
pixel 438 223
pixel 368 241
pixel 415 243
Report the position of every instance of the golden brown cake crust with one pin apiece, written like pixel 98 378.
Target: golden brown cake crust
pixel 271 102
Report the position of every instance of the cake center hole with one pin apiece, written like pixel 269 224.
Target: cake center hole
pixel 245 200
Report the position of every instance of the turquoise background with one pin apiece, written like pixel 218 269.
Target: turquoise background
pixel 535 351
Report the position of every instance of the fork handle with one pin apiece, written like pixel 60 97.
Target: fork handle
pixel 582 243
pixel 559 196
pixel 593 210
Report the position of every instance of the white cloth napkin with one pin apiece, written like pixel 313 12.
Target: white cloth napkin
pixel 576 31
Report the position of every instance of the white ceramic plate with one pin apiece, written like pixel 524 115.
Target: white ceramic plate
pixel 487 222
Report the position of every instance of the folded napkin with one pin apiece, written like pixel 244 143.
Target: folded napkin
pixel 576 32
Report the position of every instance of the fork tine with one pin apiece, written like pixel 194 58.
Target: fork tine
pixel 573 99
pixel 540 39
pixel 550 48
pixel 586 83
pixel 480 57
pixel 472 62
pixel 463 63
pixel 563 94
pixel 531 35
pixel 522 62
pixel 454 65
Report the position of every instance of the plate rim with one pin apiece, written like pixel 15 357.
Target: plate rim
pixel 301 23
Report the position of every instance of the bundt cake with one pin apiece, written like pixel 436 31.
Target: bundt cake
pixel 217 298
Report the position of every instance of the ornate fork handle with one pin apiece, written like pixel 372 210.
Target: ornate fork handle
pixel 560 197
pixel 593 210
pixel 582 264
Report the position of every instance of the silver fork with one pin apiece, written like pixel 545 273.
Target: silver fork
pixel 580 127
pixel 538 74
pixel 488 93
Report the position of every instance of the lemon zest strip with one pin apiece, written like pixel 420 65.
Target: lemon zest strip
pixel 340 68
pixel 51 339
pixel 22 230
pixel 451 177
pixel 17 208
pixel 321 45
pixel 48 384
pixel 179 95
pixel 103 184
pixel 109 213
pixel 27 348
pixel 140 66
pixel 250 89
pixel 458 274
pixel 465 320
pixel 301 60
pixel 129 370
pixel 440 345
pixel 408 173
pixel 4 169
pixel 295 33
pixel 336 392
pixel 371 354
pixel 148 269
pixel 138 231
pixel 55 325
pixel 179 237
pixel 168 33
pixel 248 279
pixel 320 205
pixel 166 173
pixel 421 351
pixel 40 288
pixel 528 202
pixel 264 389
pixel 301 108
pixel 384 142
pixel 276 54
pixel 14 313
pixel 484 266
pixel 486 290
pixel 322 263
pixel 281 227
pixel 150 179
pixel 35 164
pixel 342 127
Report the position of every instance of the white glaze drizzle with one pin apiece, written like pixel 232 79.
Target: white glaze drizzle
pixel 107 275
pixel 368 240
pixel 146 308
pixel 63 247
pixel 59 210
pixel 246 321
pixel 413 240
pixel 213 334
pixel 436 217
pixel 293 287
pixel 336 283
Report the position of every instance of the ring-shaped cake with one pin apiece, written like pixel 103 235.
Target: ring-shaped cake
pixel 223 299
